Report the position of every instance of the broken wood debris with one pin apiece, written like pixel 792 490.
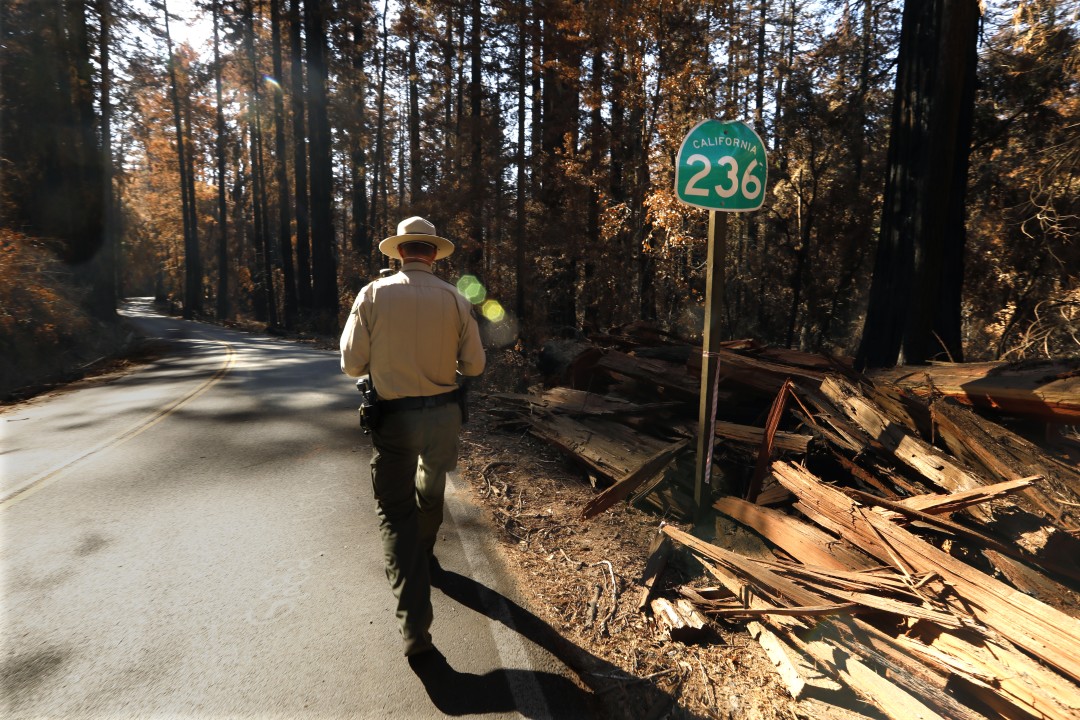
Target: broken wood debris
pixel 924 556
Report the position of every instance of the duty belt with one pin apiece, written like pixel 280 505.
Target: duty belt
pixel 417 403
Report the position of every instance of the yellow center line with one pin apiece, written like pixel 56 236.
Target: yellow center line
pixel 47 477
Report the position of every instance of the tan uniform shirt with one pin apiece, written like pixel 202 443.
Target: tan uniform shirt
pixel 411 332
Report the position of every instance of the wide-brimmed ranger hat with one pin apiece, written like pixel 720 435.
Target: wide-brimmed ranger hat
pixel 416 229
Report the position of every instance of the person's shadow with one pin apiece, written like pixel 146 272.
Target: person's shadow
pixel 457 693
pixel 498 691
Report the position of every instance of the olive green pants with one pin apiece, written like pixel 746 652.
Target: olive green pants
pixel 413 451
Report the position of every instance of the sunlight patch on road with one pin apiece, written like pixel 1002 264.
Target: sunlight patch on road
pixel 48 476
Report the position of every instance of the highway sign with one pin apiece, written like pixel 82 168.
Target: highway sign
pixel 721 166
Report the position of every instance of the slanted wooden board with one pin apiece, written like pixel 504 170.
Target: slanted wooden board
pixel 936 504
pixel 1035 583
pixel 650 468
pixel 1065 566
pixel 997 671
pixel 883 693
pixel 659 551
pixel 762 375
pixel 804 542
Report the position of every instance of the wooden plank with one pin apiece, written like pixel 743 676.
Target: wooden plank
pixel 762 375
pixel 659 551
pixel 999 670
pixel 681 623
pixel 750 435
pixel 878 579
pixel 580 403
pixel 1004 455
pixel 1039 629
pixel 804 542
pixel 772 424
pixel 888 697
pixel 749 597
pixel 1035 583
pixel 625 485
pixel 1065 568
pixel 778 611
pixel 885 653
pixel 782 590
pixel 902 609
pixel 916 685
pixel 937 504
pixel 778 655
pixel 1046 390
pixel 770 579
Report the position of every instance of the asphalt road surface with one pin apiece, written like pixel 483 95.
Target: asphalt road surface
pixel 197 539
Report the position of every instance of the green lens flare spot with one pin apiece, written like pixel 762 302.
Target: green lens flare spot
pixel 493 311
pixel 472 289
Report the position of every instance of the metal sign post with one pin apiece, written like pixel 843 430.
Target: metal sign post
pixel 721 167
pixel 710 362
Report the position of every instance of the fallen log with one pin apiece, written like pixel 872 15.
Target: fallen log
pixel 1047 390
pixel 568 361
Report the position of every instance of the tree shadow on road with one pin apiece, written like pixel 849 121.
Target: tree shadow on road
pixel 490 693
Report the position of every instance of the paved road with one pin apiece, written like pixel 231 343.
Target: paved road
pixel 197 539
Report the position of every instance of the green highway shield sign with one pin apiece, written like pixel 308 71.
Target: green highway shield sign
pixel 721 166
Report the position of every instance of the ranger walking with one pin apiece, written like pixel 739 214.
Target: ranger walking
pixel 413 335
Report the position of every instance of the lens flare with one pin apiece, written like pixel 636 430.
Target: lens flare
pixel 493 311
pixel 272 83
pixel 472 289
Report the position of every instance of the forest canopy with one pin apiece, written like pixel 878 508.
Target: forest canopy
pixel 242 158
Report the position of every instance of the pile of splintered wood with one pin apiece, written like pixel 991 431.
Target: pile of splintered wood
pixel 906 547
